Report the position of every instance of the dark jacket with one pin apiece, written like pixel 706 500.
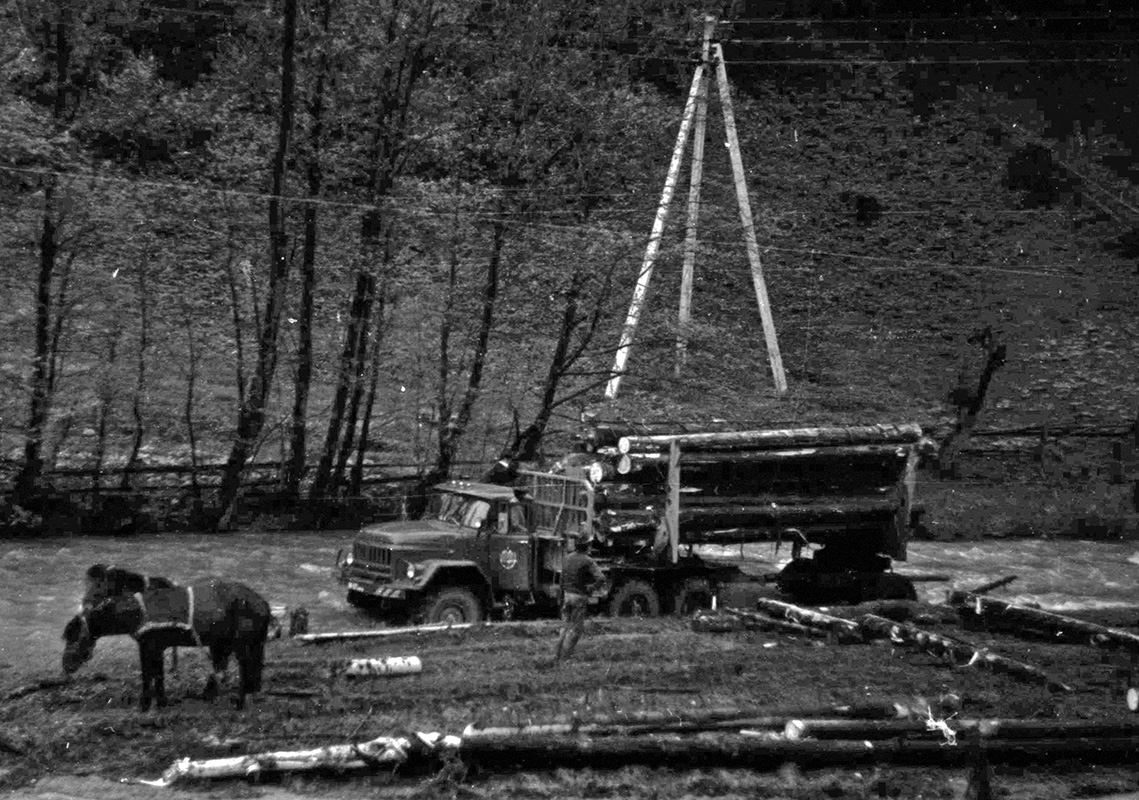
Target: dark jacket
pixel 581 575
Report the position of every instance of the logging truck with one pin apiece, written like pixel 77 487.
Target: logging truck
pixel 646 503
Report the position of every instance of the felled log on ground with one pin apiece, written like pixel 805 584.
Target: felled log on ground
pixel 709 718
pixel 985 588
pixel 984 728
pixel 381 751
pixel 956 650
pixel 420 630
pixel 378 633
pixel 762 752
pixel 381 667
pixel 717 622
pixel 753 620
pixel 843 628
pixel 693 721
pixel 1018 617
pixel 774 439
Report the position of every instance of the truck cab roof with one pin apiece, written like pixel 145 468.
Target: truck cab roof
pixel 483 491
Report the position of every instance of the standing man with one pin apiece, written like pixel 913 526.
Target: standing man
pixel 581 577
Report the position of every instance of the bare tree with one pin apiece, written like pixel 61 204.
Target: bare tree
pixel 251 414
pixel 351 360
pixel 143 295
pixel 302 383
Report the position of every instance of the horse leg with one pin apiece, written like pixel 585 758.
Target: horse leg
pixel 251 662
pixel 144 671
pixel 152 665
pixel 160 676
pixel 219 658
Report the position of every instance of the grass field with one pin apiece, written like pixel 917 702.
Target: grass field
pixel 497 677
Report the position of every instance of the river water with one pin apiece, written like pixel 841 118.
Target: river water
pixel 41 581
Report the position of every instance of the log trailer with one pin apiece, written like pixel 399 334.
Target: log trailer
pixel 646 502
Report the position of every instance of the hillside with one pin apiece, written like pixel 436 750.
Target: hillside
pixel 899 209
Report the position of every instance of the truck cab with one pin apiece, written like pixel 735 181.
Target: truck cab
pixel 477 550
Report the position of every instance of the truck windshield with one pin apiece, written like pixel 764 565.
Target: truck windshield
pixel 470 512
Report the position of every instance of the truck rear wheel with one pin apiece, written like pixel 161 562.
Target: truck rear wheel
pixel 452 606
pixel 635 599
pixel 692 595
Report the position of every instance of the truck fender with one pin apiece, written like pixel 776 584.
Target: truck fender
pixel 453 573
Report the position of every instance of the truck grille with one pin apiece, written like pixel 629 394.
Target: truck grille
pixel 370 562
pixel 372 555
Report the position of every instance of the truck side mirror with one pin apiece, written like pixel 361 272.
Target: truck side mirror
pixel 503 523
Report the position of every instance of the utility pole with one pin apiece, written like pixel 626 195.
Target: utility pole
pixel 642 288
pixel 696 106
pixel 696 178
pixel 773 355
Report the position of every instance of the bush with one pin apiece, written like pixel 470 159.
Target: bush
pixel 16 520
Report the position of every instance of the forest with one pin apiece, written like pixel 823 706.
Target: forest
pixel 342 238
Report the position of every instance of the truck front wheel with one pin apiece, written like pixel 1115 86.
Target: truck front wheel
pixel 452 606
pixel 635 599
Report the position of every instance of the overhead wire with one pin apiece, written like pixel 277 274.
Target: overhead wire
pixel 907 262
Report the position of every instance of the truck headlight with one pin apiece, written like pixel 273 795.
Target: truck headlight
pixel 411 570
pixel 349 560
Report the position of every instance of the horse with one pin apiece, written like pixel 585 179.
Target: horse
pixel 104 581
pixel 227 617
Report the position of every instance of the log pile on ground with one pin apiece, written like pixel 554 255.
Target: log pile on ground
pixel 789 618
pixel 1024 619
pixel 751 485
pixel 882 733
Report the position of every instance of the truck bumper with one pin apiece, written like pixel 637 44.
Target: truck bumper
pixel 384 592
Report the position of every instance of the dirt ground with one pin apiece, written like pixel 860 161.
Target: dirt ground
pixel 84 739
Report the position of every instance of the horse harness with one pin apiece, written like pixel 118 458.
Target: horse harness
pixel 149 624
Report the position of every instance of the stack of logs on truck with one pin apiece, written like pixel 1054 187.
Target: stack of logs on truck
pixel 848 490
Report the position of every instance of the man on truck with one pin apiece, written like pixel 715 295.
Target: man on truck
pixel 581 578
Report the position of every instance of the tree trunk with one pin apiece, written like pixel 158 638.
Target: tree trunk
pixel 188 408
pixel 361 306
pixel 298 439
pixel 970 399
pixel 103 415
pixel 356 481
pixel 238 326
pixel 368 343
pixel 451 433
pixel 31 472
pixel 525 444
pixel 251 415
pixel 140 374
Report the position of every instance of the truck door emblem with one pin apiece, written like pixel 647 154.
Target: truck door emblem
pixel 508 559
